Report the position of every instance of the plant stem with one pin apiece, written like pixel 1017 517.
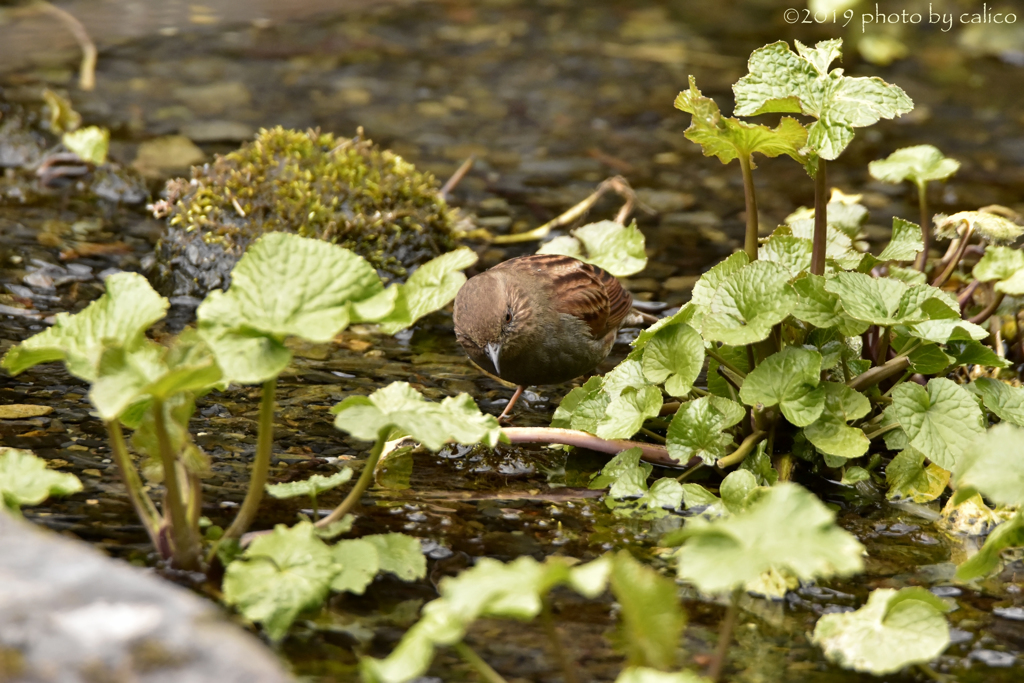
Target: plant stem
pixel 260 464
pixel 742 451
pixel 909 348
pixel 820 220
pixel 686 475
pixel 931 673
pixel 669 408
pixel 883 345
pixel 617 184
pixel 967 294
pixel 186 547
pixel 879 432
pixel 725 637
pixel 750 243
pixel 987 312
pixel 784 466
pixel 926 230
pixel 555 638
pixel 483 668
pixel 652 434
pixel 955 260
pixel 652 453
pixel 143 504
pixel 363 483
pixel 725 364
pixel 877 374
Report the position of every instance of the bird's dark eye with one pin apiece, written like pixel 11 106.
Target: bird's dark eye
pixel 508 316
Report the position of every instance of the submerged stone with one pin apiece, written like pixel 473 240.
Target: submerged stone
pixel 347 191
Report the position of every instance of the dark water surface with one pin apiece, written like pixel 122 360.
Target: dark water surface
pixel 551 98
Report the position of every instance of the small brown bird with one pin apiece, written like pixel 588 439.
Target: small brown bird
pixel 541 319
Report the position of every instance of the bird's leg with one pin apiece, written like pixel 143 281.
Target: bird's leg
pixel 505 414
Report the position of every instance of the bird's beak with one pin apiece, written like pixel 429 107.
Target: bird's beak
pixel 493 351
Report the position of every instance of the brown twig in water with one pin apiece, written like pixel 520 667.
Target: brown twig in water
pixel 457 177
pixel 87 70
pixel 652 453
pixel 617 184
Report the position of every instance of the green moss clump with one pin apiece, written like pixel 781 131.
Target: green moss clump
pixel 346 191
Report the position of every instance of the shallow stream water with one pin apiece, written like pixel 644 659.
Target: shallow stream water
pixel 550 97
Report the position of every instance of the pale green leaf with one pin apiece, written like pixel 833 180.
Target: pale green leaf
pixel 781 81
pixel 998 263
pixel 622 463
pixel 25 480
pixel 988 225
pixel 941 421
pixel 791 252
pixel 278 576
pixel 787 529
pixel 674 356
pixel 830 433
pixel 918 164
pixel 590 579
pixel 729 138
pixel 358 563
pixel 699 429
pixel 1006 401
pixel 704 289
pixel 284 285
pixel 313 486
pixel 431 287
pixel 651 617
pixel 739 490
pixel 118 318
pixel 89 144
pixel 909 479
pixel 760 465
pixel 906 242
pixel 893 630
pixel 748 303
pixel 1009 534
pixel 970 352
pixel 152 371
pixel 400 555
pixel 617 248
pixel 627 412
pixel 787 379
pixel 566 409
pixel 644 675
pixel 690 313
pixel 456 418
pixel 941 330
pixel 994 465
pixel 872 300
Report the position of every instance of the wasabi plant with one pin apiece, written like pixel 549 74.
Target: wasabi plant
pixel 920 165
pixel 651 622
pixel 284 286
pixel 893 630
pixel 25 480
pixel 780 80
pixel 729 138
pixel 292 569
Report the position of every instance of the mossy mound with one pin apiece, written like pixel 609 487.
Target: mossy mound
pixel 347 191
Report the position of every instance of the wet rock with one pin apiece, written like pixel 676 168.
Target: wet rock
pixel 72 614
pixel 350 192
pixel 994 658
pixel 161 157
pixel 218 131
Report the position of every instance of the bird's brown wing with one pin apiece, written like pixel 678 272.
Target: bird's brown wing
pixel 580 289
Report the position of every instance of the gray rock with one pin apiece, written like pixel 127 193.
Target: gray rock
pixel 71 614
